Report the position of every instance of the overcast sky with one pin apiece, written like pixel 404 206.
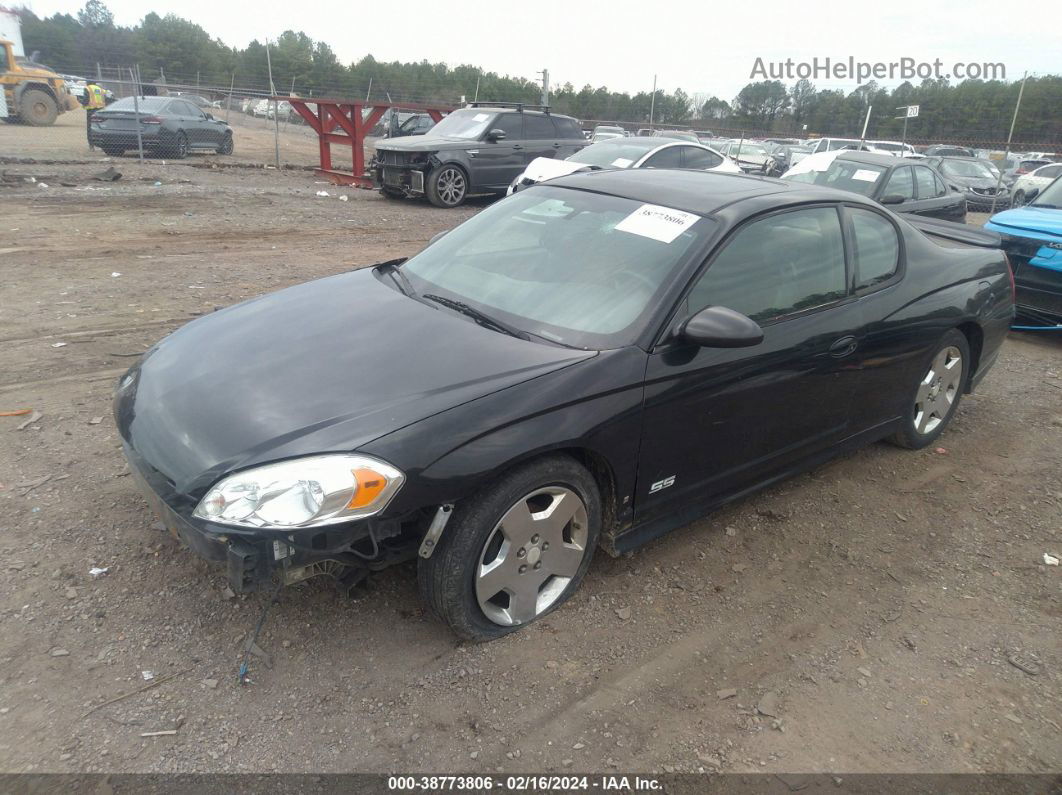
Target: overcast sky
pixel 699 47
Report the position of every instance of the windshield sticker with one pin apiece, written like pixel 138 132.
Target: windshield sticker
pixel 481 117
pixel 550 208
pixel 622 162
pixel 656 222
pixel 866 175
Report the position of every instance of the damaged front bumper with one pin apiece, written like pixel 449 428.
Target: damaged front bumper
pixel 256 558
pixel 398 175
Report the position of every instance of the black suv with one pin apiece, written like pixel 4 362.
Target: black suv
pixel 478 149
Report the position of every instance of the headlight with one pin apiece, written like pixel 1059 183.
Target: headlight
pixel 303 492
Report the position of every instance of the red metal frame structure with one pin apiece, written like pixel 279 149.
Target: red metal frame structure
pixel 346 122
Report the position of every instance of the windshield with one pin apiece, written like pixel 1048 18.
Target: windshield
pixel 748 149
pixel 843 175
pixel 604 129
pixel 465 123
pixel 618 153
pixel 843 143
pixel 967 168
pixel 578 268
pixel 1051 196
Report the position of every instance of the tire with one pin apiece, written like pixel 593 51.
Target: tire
pixel 538 498
pixel 937 394
pixel 37 108
pixel 226 145
pixel 179 151
pixel 113 151
pixel 1019 199
pixel 447 186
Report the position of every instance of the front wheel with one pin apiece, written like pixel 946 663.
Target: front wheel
pixel 516 551
pixel 1019 198
pixel 180 147
pixel 37 108
pixel 447 186
pixel 226 145
pixel 937 394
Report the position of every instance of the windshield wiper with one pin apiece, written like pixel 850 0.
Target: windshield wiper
pixel 483 319
pixel 403 282
pixel 1048 206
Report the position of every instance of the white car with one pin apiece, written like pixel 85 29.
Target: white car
pixel 631 152
pixel 751 157
pixel 263 109
pixel 894 148
pixel 1035 180
pixel 75 86
pixel 604 132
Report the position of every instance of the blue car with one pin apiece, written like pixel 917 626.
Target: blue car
pixel 1032 238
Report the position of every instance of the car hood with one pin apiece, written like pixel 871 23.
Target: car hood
pixel 972 182
pixel 542 168
pixel 1043 221
pixel 325 366
pixel 426 143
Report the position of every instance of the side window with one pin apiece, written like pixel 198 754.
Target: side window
pixel 877 249
pixel 695 157
pixel 539 128
pixel 927 189
pixel 512 124
pixel 940 187
pixel 901 183
pixel 665 158
pixel 776 266
pixel 1050 172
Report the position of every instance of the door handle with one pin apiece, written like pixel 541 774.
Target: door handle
pixel 843 347
pixel 556 146
pixel 517 146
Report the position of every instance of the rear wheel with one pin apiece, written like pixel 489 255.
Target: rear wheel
pixel 937 394
pixel 37 108
pixel 226 145
pixel 516 551
pixel 447 186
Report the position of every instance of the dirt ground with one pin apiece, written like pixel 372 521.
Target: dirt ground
pixel 890 611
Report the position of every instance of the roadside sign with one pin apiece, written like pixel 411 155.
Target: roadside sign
pixel 912 111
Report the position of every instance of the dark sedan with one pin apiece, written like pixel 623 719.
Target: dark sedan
pixel 904 185
pixel 169 127
pixel 591 362
pixel 977 179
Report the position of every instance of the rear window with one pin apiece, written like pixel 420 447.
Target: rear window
pixel 146 104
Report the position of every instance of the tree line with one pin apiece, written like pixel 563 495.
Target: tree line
pixel 180 51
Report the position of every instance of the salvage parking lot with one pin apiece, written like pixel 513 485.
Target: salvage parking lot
pixel 890 611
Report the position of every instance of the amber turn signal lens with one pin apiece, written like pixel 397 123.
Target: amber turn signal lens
pixel 370 484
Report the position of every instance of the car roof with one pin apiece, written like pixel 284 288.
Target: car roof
pixel 493 109
pixel 699 192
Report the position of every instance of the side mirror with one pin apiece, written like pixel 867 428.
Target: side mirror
pixel 719 327
pixel 496 135
pixel 210 116
pixel 892 198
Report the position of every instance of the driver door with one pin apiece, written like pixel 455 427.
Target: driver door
pixel 496 163
pixel 718 421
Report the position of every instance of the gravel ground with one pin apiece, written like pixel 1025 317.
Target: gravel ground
pixel 890 611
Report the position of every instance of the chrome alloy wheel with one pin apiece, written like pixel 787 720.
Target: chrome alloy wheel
pixel 531 555
pixel 451 186
pixel 938 390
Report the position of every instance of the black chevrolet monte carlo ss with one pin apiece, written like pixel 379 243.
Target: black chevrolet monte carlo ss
pixel 590 362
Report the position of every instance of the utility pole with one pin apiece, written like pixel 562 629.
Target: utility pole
pixel 652 105
pixel 1010 136
pixel 475 98
pixel 276 121
pixel 866 121
pixel 545 86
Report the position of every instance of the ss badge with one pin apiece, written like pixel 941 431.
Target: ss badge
pixel 660 485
